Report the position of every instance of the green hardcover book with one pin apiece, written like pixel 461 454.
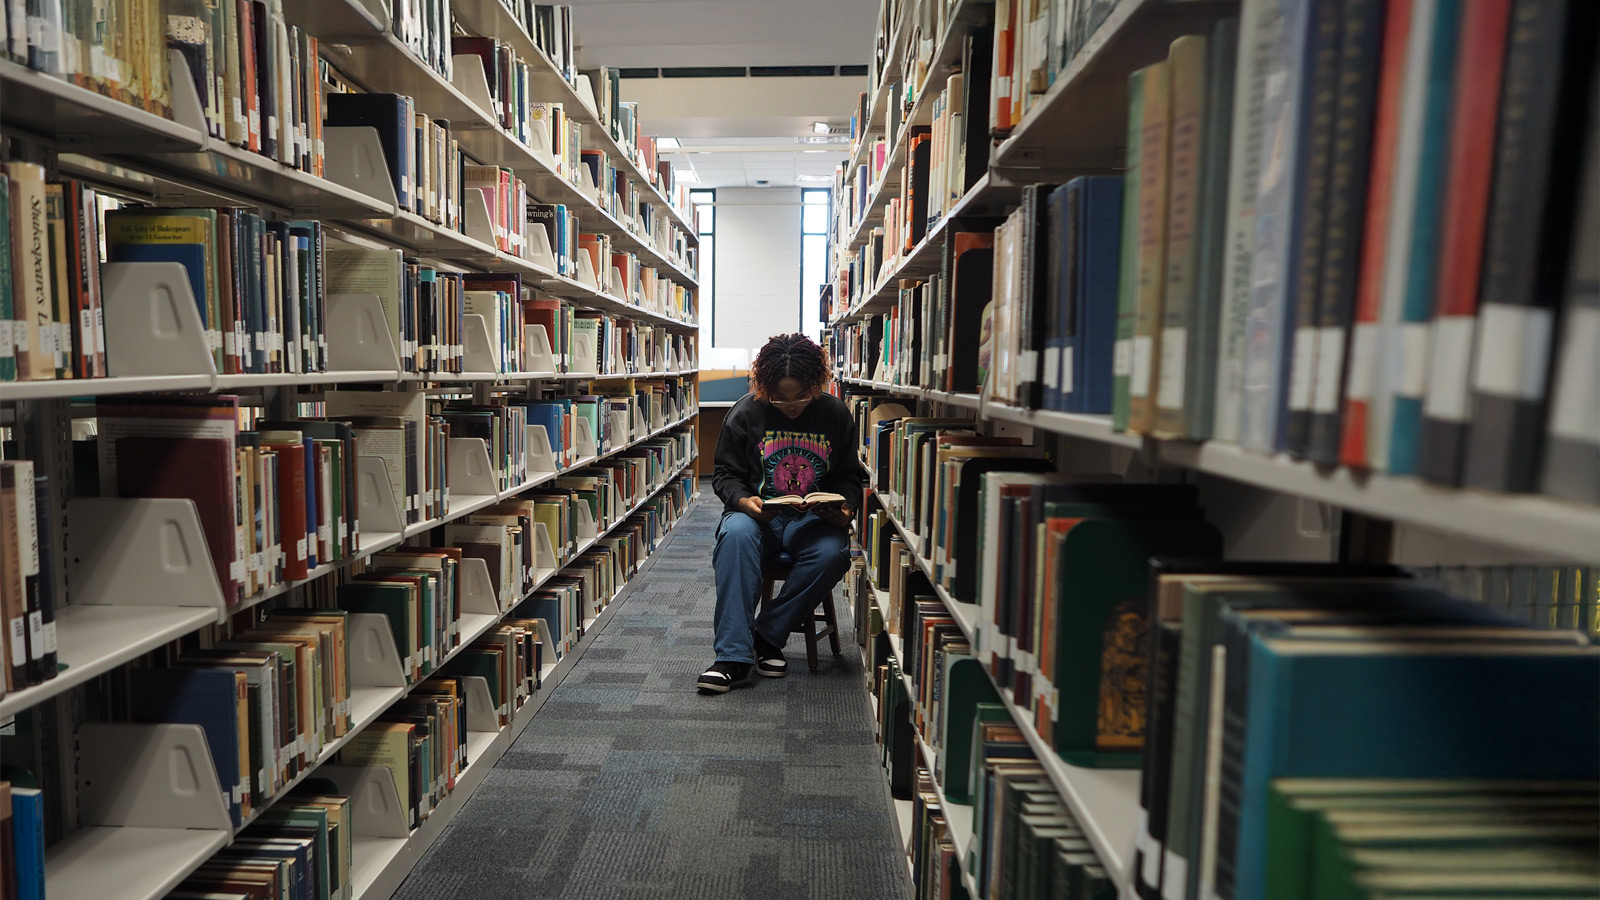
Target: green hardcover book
pixel 1128 282
pixel 972 701
pixel 1169 369
pixel 395 601
pixel 1098 663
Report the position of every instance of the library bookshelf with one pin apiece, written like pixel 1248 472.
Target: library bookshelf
pixel 1065 99
pixel 129 813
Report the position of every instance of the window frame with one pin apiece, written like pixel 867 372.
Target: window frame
pixel 706 238
pixel 826 234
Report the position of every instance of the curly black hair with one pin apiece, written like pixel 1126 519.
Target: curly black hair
pixel 789 356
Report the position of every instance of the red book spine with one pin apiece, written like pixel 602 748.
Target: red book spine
pixel 292 507
pixel 247 78
pixel 1369 291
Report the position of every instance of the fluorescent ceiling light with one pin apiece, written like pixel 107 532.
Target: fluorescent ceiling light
pixel 667 144
pixel 819 127
pixel 814 178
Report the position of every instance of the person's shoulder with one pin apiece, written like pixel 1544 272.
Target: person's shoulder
pixel 832 405
pixel 746 407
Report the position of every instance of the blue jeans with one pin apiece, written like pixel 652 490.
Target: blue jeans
pixel 821 555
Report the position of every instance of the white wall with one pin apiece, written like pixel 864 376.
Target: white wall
pixel 758 265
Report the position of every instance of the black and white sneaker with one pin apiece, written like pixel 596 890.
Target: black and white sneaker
pixel 723 676
pixel 769 659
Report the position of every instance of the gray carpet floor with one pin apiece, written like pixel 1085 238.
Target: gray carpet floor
pixel 629 785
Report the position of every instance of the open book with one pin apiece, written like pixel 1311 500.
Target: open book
pixel 815 498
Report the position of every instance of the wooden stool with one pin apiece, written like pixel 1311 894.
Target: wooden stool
pixel 821 625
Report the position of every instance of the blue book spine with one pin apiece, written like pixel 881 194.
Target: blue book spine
pixel 1422 260
pixel 204 697
pixel 1380 714
pixel 192 256
pixel 27 825
pixel 1101 237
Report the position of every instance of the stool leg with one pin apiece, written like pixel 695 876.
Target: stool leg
pixel 833 624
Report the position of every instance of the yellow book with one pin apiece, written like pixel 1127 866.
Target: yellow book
pixel 30 273
pixel 1154 149
pixel 136 236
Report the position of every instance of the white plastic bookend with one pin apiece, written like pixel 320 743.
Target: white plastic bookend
pixel 468 76
pixel 584 88
pixel 186 106
pixel 585 356
pixel 640 426
pixel 589 185
pixel 540 144
pixel 153 324
pixel 615 285
pixel 587 527
pixel 148 776
pixel 538 248
pixel 479 224
pixel 140 552
pixel 374 658
pixel 375 803
pixel 477 589
pixel 617 504
pixel 541 456
pixel 353 158
pixel 586 275
pixel 546 641
pixel 470 473
pixel 584 438
pixel 482 713
pixel 481 354
pixel 620 425
pixel 362 339
pixel 379 507
pixel 536 354
pixel 544 555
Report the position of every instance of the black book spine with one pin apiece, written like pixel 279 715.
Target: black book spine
pixel 1550 70
pixel 1315 167
pixel 1361 55
pixel 976 67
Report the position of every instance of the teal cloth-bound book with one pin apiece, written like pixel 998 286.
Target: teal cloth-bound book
pixel 1386 710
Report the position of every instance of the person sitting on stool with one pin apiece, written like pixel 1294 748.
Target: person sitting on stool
pixel 785 437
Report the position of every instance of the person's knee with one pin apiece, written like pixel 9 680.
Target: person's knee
pixel 738 532
pixel 832 549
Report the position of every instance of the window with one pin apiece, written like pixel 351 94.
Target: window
pixel 703 208
pixel 815 213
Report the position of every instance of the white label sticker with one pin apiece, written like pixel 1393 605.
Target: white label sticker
pixel 49 637
pixel 8 340
pixel 1302 368
pixel 1052 368
pixel 1139 376
pixel 36 634
pixel 1122 358
pixel 1150 861
pixel 1330 355
pixel 1575 405
pixel 1363 361
pixel 19 639
pixel 86 329
pixel 300 548
pixel 1174 877
pixel 1448 384
pixel 1169 383
pixel 1411 346
pixel 1513 350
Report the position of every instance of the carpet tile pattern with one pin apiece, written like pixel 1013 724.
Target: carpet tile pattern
pixel 630 785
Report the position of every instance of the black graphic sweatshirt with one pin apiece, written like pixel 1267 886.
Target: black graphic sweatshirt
pixel 764 453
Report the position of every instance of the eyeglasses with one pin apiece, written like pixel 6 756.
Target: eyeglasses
pixel 794 404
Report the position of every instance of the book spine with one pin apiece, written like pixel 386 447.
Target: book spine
pixel 1393 172
pixel 1187 61
pixel 1153 174
pixel 1407 348
pixel 34 575
pixel 30 269
pixel 1446 410
pixel 9 326
pixel 1548 72
pixel 14 590
pixel 1244 175
pixel 1361 55
pixel 1312 195
pixel 1200 379
pixel 1572 446
pixel 1128 277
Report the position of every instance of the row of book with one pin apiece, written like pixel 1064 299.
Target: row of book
pixel 1025 843
pixel 277 499
pixel 262 287
pixel 272 691
pixel 1099 651
pixel 1367 339
pixel 938 170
